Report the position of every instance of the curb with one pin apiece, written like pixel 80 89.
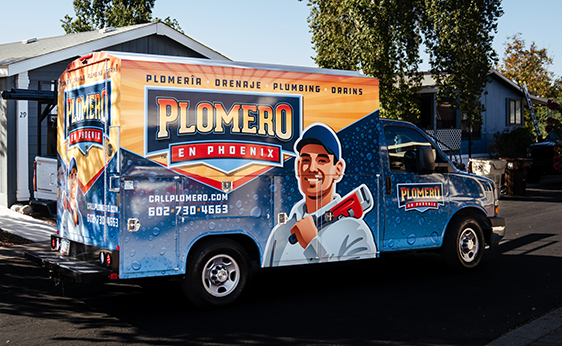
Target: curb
pixel 539 331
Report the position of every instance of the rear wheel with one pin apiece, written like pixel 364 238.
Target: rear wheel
pixel 463 245
pixel 216 274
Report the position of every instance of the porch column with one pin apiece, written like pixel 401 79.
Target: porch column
pixel 22 191
pixel 434 110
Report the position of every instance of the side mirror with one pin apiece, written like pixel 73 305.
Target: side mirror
pixel 426 161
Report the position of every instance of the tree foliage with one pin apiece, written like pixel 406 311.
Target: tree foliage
pixel 383 39
pixel 96 14
pixel 380 38
pixel 459 36
pixel 531 66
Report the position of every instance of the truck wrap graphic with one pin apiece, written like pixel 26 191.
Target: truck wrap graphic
pixel 87 109
pixel 224 131
pixel 172 152
pixel 196 169
pixel 420 197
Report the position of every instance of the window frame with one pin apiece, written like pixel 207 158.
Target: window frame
pixel 511 104
pixel 405 168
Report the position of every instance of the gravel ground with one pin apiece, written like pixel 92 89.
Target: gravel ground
pixel 9 239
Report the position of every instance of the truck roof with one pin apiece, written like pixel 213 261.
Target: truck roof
pixel 236 64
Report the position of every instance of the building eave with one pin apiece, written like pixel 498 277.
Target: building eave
pixel 104 42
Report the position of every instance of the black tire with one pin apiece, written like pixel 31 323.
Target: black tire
pixel 463 245
pixel 217 272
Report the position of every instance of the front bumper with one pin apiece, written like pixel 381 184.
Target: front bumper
pixel 498 231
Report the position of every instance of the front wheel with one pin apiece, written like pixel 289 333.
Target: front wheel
pixel 463 245
pixel 216 274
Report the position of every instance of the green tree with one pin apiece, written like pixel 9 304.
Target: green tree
pixel 96 14
pixel 459 37
pixel 383 38
pixel 529 65
pixel 380 38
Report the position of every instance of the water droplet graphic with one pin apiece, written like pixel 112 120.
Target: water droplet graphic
pixel 238 204
pixel 434 237
pixel 411 239
pixel 391 243
pixel 162 251
pixel 156 231
pixel 421 221
pixel 256 212
pixel 398 220
pixel 212 225
pixel 136 265
pixel 132 253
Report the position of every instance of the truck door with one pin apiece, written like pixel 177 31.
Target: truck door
pixel 416 201
pixel 149 239
pixel 89 149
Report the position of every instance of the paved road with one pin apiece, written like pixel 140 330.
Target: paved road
pixel 399 300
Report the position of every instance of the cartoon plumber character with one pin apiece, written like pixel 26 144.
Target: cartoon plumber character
pixel 323 226
pixel 72 223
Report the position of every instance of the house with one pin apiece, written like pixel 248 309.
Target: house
pixel 504 103
pixel 37 64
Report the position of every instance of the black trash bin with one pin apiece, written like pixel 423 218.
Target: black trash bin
pixel 516 175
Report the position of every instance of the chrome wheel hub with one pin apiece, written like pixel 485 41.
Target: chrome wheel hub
pixel 221 275
pixel 468 245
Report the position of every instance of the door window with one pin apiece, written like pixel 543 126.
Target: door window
pixel 402 143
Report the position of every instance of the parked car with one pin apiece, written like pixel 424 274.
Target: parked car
pixel 542 154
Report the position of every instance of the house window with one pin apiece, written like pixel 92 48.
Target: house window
pixel 514 112
pixel 475 130
pixel 446 116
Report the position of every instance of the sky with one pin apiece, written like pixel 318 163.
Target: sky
pixel 271 31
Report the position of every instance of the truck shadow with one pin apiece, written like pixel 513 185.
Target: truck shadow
pixel 409 299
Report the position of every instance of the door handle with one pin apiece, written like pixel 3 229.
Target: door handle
pixel 388 185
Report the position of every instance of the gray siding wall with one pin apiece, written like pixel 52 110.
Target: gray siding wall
pixel 154 44
pixel 495 101
pixel 495 117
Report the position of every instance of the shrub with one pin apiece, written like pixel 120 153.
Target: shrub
pixel 512 143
